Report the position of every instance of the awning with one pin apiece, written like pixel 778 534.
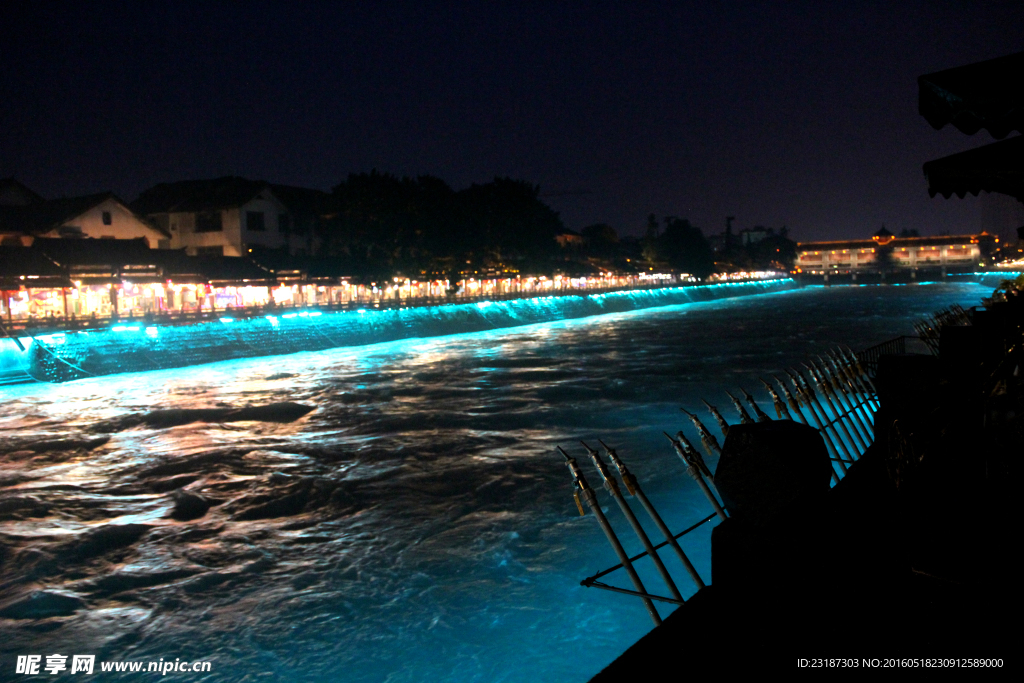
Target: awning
pixel 26 267
pixel 998 167
pixel 987 95
pixel 220 271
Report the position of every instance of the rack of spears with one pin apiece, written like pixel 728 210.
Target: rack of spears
pixel 929 329
pixel 834 395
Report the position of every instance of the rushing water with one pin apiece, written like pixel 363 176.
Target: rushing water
pixel 418 525
pixel 140 346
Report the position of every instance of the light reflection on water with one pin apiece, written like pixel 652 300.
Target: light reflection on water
pixel 418 524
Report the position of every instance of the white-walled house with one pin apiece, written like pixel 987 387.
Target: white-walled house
pixel 223 216
pixel 97 216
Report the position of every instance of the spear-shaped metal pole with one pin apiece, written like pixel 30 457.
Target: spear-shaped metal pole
pixel 780 407
pixel 633 487
pixel 839 391
pixel 861 372
pixel 693 456
pixel 854 440
pixel 613 488
pixel 845 375
pixel 826 424
pixel 961 314
pixel 582 490
pixel 861 375
pixel 695 473
pixel 706 437
pixel 722 424
pixel 927 335
pixel 852 370
pixel 793 401
pixel 858 387
pixel 761 415
pixel 805 400
pixel 744 415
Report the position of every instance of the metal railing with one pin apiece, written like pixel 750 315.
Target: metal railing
pixel 833 395
pixel 842 409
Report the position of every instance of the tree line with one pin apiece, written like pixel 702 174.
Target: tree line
pixel 421 225
pixel 384 225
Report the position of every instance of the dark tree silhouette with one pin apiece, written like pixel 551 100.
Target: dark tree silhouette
pixel 773 252
pixel 508 219
pixel 684 247
pixel 649 244
pixel 601 240
pixel 388 221
pixel 405 225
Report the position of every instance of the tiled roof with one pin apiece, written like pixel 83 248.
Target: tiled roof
pixel 18 262
pixel 898 243
pixel 94 252
pixel 304 201
pixel 987 95
pixel 15 193
pixel 998 167
pixel 198 195
pixel 45 216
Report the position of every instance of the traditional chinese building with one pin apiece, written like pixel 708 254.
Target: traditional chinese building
pixel 885 252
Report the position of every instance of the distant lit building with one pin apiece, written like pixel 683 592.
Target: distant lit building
pixel 949 253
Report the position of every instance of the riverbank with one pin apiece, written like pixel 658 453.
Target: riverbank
pixel 906 562
pixel 135 345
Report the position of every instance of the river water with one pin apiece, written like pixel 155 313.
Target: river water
pixel 417 525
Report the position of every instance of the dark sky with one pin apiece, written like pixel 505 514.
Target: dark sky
pixel 803 114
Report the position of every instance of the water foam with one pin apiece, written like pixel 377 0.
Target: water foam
pixel 136 347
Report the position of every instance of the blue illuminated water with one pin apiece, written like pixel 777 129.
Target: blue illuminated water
pixel 418 525
pixel 134 346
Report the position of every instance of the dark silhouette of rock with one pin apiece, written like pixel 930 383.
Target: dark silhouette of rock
pixel 67 444
pixel 119 582
pixel 42 604
pixel 286 411
pixel 297 496
pixel 188 505
pixel 22 507
pixel 108 538
pixel 274 412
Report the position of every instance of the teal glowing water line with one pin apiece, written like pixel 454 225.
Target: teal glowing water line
pixel 137 347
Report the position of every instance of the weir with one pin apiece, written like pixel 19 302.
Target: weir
pixel 133 346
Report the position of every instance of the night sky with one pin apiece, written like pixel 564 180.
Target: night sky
pixel 789 113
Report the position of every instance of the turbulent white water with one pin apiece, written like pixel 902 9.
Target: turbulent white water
pixel 417 525
pixel 135 346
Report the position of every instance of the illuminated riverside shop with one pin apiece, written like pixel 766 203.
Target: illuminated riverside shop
pixel 141 299
pixel 77 287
